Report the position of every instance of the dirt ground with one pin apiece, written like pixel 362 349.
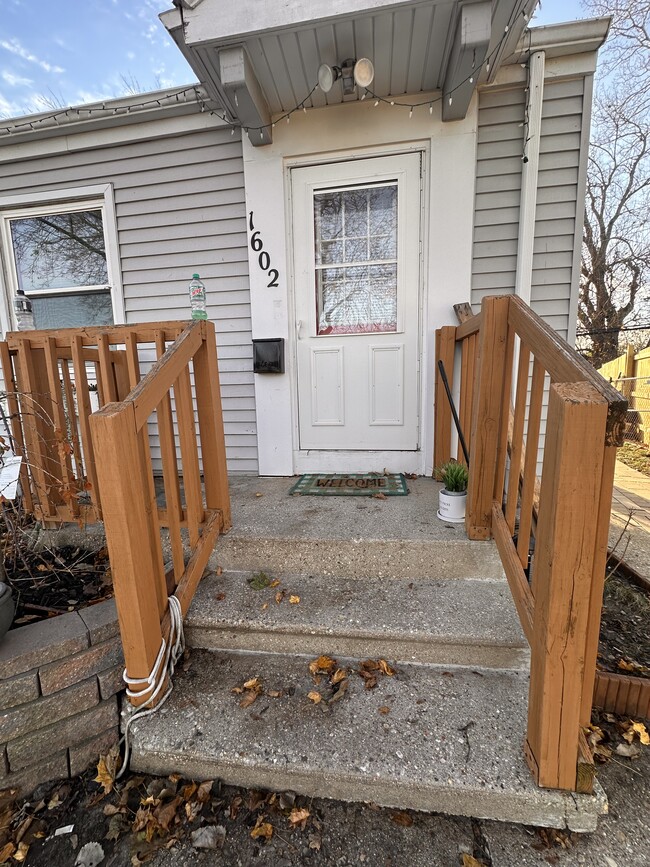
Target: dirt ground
pixel 624 632
pixel 156 820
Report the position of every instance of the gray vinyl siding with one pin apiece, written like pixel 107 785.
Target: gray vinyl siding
pixel 180 208
pixel 498 191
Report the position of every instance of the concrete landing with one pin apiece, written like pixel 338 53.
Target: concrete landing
pixel 431 620
pixel 449 742
pixel 359 537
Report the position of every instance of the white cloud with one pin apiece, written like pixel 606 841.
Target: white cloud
pixel 130 55
pixel 15 80
pixel 14 46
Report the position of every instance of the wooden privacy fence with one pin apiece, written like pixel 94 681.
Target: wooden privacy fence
pixel 630 374
pixel 551 532
pixel 179 401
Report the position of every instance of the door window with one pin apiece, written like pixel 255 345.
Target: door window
pixel 355 231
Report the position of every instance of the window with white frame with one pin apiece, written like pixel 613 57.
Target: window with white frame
pixel 61 254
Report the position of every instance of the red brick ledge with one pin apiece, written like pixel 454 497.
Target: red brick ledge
pixel 622 694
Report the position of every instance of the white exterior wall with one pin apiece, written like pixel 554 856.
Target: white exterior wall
pixel 349 131
pixel 179 202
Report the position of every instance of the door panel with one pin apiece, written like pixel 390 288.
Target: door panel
pixel 356 229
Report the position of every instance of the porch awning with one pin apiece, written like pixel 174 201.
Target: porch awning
pixel 260 60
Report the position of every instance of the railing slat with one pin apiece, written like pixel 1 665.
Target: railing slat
pixel 208 402
pixel 445 350
pixel 502 443
pixel 564 562
pixel 109 391
pixel 517 436
pixel 173 509
pixel 84 409
pixel 16 426
pixel 60 433
pixel 189 454
pixel 72 418
pixel 530 465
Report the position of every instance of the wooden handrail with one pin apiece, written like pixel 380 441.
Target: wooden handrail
pixel 116 334
pixel 557 586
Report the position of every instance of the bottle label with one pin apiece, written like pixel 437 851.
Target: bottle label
pixel 198 292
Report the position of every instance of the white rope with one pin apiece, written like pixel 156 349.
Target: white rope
pixel 163 668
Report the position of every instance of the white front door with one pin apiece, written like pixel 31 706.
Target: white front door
pixel 356 231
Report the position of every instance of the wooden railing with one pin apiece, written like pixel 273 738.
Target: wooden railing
pixel 54 380
pixel 73 452
pixel 551 531
pixel 130 505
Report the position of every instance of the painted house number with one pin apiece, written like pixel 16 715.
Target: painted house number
pixel 264 260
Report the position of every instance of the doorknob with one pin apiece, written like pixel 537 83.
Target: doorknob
pixel 298 328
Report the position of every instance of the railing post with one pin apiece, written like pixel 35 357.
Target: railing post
pixel 135 565
pixel 490 377
pixel 567 536
pixel 445 351
pixel 213 444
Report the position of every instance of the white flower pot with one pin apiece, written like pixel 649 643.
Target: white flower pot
pixel 452 506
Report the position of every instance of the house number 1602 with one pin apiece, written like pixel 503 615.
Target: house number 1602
pixel 264 260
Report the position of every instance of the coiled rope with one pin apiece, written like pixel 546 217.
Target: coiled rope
pixel 168 655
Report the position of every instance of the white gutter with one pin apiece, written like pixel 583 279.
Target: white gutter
pixel 529 174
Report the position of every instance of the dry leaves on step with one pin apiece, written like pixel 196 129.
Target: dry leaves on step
pixel 322 665
pixel 632 665
pixel 294 600
pixel 279 596
pixel 470 861
pixel 250 689
pixel 314 696
pixel 298 817
pixel 209 837
pixel 370 669
pixel 384 709
pixel 379 496
pixel 629 751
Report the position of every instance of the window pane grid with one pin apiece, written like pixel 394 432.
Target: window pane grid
pixel 356 259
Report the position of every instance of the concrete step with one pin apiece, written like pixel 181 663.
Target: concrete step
pixel 449 622
pixel 356 537
pixel 450 741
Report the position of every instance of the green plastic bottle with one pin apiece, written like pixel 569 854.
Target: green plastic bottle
pixel 197 298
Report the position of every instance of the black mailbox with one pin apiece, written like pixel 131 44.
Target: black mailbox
pixel 268 355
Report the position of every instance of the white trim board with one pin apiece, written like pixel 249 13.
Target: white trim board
pixel 346 132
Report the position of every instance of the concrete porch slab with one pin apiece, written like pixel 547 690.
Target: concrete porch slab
pixel 450 742
pixel 399 537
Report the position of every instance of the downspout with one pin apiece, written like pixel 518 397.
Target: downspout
pixel 529 175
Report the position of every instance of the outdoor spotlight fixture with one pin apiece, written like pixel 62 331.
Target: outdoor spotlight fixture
pixel 351 72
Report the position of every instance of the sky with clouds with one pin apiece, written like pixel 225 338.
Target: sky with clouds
pixel 67 52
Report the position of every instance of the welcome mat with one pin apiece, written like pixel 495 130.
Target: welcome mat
pixel 350 485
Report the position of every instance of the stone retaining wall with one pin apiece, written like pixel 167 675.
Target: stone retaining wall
pixel 59 685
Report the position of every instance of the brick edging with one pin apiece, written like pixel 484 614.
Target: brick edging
pixel 60 681
pixel 622 694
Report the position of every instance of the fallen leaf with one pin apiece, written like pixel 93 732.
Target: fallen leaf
pixel 314 696
pixel 204 791
pixel 339 675
pixel 265 606
pixel 23 849
pixel 322 665
pixel 294 600
pixel 107 768
pixel 470 861
pixel 641 730
pixel 253 683
pixel 259 581
pixel 369 665
pixel 275 693
pixel 117 826
pixel 235 804
pixel 165 814
pixel 298 815
pixel 315 842
pixel 192 810
pixel 340 692
pixel 626 666
pixel 629 751
pixel 209 837
pixel 237 689
pixel 6 852
pixel 248 699
pixel 259 494
pixel 379 496
pixel 279 596
pixel 218 571
pixel 386 668
pixel 262 829
pixel 403 819
pixel 384 709
pixel 220 597
pixel 275 583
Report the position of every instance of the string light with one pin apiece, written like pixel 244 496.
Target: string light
pixel 196 93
